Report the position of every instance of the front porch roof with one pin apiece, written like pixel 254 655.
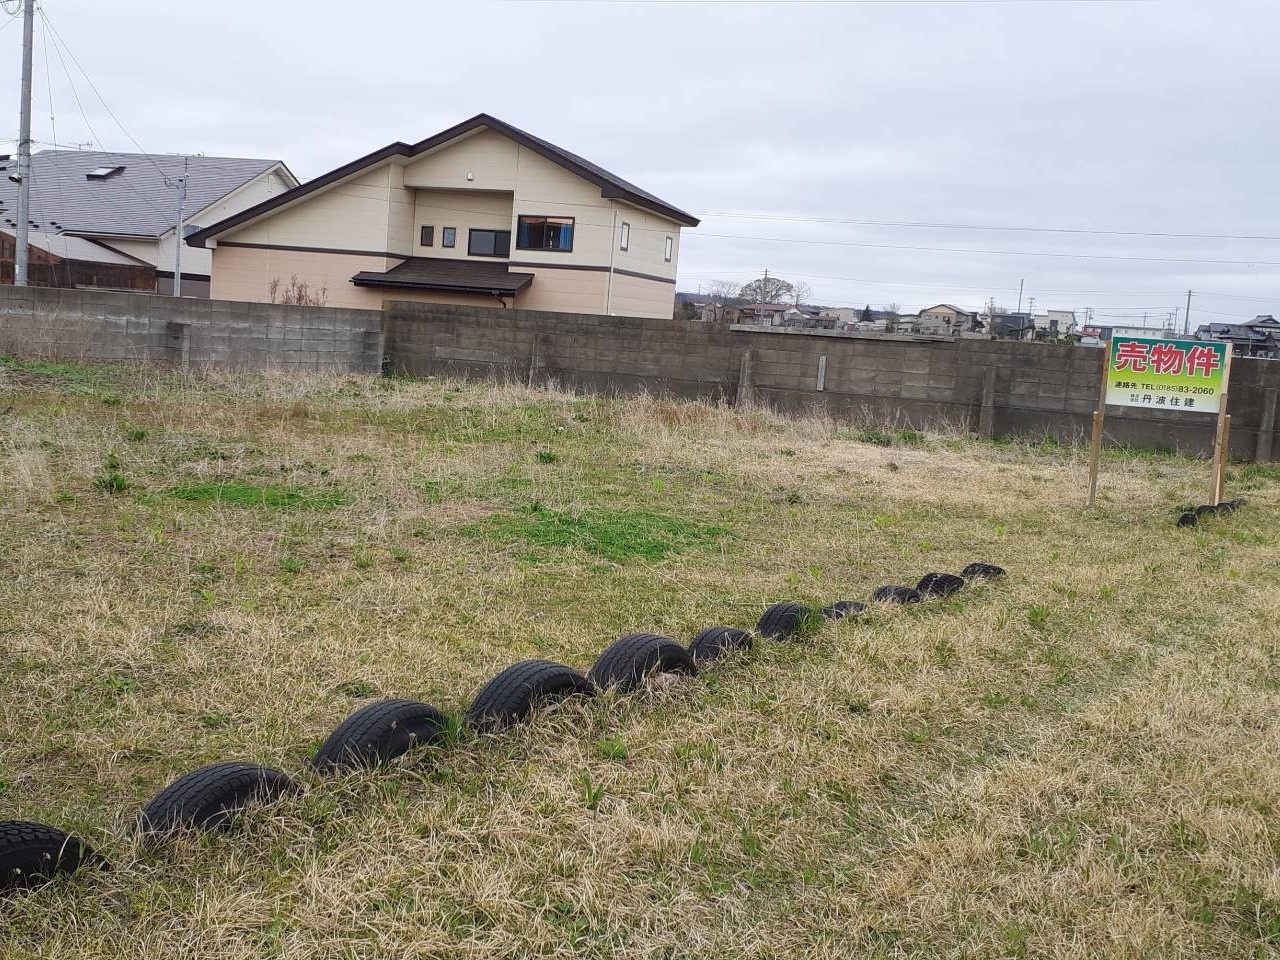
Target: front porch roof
pixel 453 276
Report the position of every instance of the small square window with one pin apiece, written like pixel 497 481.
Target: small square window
pixel 667 249
pixel 626 236
pixel 428 236
pixel 489 243
pixel 449 236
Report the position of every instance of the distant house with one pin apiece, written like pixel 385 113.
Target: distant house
pixel 128 202
pixel 1055 323
pixel 1012 326
pixel 482 213
pixel 1259 337
pixel 946 319
pixel 58 260
pixel 768 314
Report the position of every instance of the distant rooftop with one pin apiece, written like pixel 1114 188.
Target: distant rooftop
pixel 73 248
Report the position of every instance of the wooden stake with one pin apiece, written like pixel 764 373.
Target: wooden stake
pixel 1226 456
pixel 1099 416
pixel 1220 435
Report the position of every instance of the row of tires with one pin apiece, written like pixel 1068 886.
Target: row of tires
pixel 210 798
pixel 1191 517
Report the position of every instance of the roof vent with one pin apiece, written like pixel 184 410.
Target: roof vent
pixel 104 173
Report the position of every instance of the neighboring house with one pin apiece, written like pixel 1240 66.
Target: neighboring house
pixel 1055 323
pixel 1259 337
pixel 946 318
pixel 57 260
pixel 1012 326
pixel 768 314
pixel 722 313
pixel 129 202
pixel 482 213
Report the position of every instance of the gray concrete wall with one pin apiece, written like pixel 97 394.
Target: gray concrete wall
pixel 992 387
pixel 146 328
pixel 1034 389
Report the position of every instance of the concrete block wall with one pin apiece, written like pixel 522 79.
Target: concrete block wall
pixel 1037 389
pixel 45 323
pixel 994 387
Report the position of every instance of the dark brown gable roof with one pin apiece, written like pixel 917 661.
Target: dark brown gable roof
pixel 611 186
pixel 458 276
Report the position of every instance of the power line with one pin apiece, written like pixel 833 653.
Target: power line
pixel 92 86
pixel 784 3
pixel 973 226
pixel 57 49
pixel 996 253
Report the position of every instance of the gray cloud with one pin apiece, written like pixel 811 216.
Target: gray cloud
pixel 1145 117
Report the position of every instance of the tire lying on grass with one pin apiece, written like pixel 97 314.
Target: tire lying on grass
pixel 939 584
pixel 378 733
pixel 209 798
pixel 842 608
pixel 32 854
pixel 982 571
pixel 626 662
pixel 783 620
pixel 514 693
pixel 896 594
pixel 714 642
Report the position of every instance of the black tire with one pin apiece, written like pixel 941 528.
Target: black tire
pixel 714 642
pixel 32 854
pixel 783 620
pixel 842 608
pixel 627 661
pixel 1188 519
pixel 208 798
pixel 378 733
pixel 982 571
pixel 514 693
pixel 894 594
pixel 939 584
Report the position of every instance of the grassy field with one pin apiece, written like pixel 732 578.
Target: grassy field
pixel 1080 761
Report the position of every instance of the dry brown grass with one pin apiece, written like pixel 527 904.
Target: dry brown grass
pixel 1078 762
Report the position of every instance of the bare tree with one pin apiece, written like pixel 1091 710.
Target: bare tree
pixel 298 292
pixel 801 293
pixel 721 291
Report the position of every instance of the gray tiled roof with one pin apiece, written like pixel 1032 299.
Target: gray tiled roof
pixel 136 202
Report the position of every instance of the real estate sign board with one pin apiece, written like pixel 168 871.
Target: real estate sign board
pixel 1184 375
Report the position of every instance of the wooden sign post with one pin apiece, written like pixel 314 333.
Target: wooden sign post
pixel 1188 376
pixel 1222 437
pixel 1099 417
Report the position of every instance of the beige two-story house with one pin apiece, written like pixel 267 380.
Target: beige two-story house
pixel 482 213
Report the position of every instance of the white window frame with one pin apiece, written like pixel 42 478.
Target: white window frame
pixel 669 249
pixel 624 243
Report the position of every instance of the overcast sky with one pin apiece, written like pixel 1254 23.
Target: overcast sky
pixel 1142 117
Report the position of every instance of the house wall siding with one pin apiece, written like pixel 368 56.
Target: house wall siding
pixel 483 181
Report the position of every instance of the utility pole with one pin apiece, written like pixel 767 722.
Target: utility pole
pixel 763 283
pixel 181 184
pixel 1020 284
pixel 21 234
pixel 1186 317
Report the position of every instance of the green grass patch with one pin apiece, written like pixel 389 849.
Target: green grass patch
pixel 253 495
pixel 617 535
